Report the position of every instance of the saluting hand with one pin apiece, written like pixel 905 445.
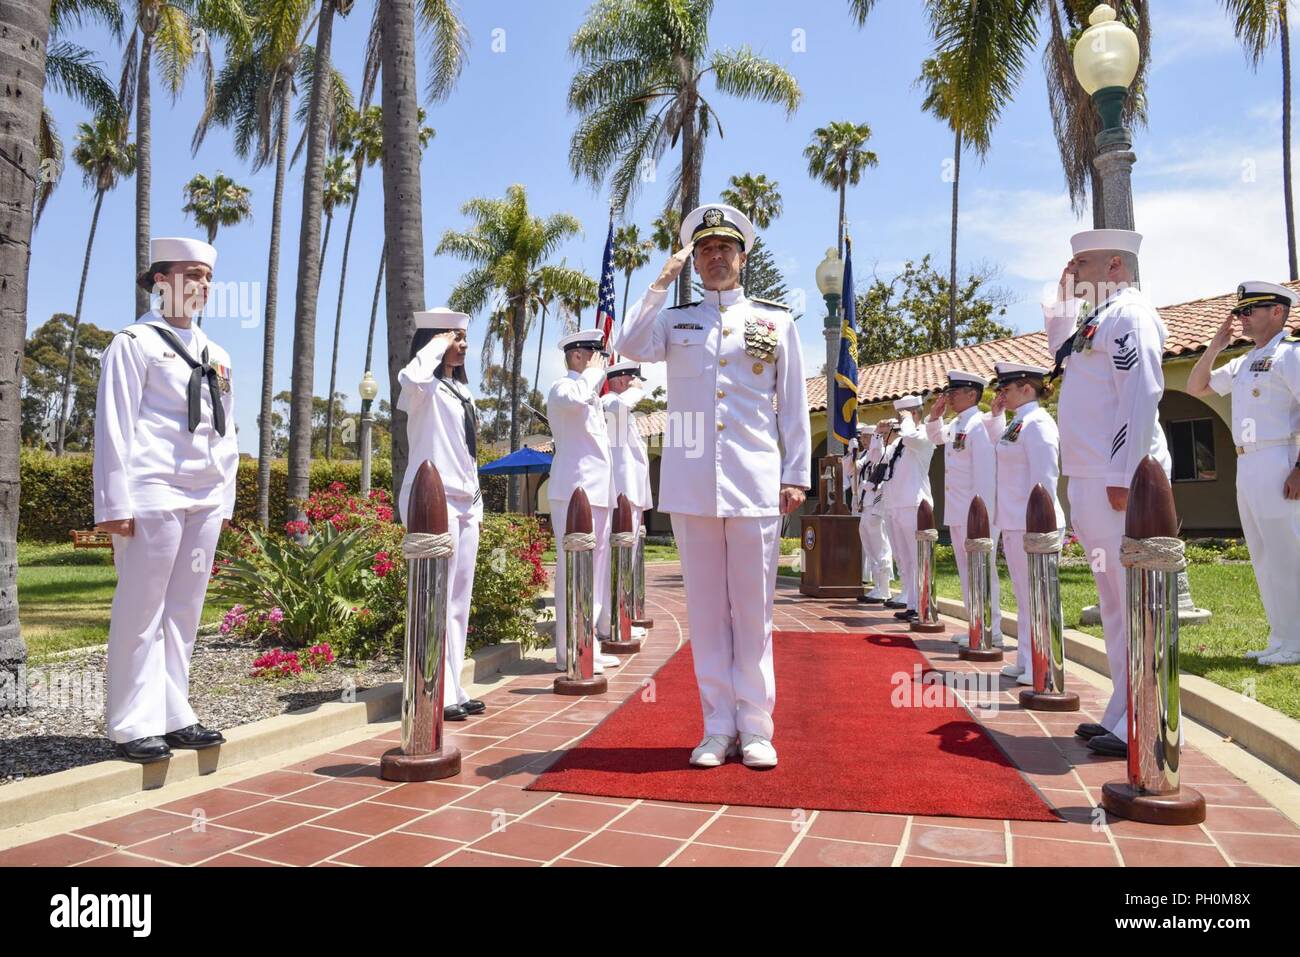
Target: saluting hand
pixel 1291 490
pixel 998 405
pixel 597 361
pixel 673 268
pixel 941 403
pixel 122 526
pixel 1227 332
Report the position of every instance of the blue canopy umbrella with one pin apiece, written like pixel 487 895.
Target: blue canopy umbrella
pixel 523 461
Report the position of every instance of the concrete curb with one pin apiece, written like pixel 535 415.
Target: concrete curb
pixel 35 798
pixel 1257 729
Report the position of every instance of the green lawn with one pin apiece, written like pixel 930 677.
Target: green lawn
pixel 64 597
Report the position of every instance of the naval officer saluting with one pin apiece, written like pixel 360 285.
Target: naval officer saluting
pixel 878 559
pixel 164 474
pixel 630 462
pixel 728 358
pixel 442 424
pixel 1265 388
pixel 582 461
pixel 907 485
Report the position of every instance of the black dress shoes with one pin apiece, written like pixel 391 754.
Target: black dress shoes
pixel 474 706
pixel 868 600
pixel 195 738
pixel 144 750
pixel 905 614
pixel 1087 730
pixel 454 712
pixel 1109 745
pixel 894 603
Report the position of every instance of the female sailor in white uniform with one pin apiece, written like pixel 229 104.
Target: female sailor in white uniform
pixel 443 428
pixel 164 475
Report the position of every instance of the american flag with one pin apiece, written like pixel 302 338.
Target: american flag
pixel 605 301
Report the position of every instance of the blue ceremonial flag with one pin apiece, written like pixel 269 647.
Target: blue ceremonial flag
pixel 843 406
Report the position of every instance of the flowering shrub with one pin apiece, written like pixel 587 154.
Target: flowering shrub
pixel 277 663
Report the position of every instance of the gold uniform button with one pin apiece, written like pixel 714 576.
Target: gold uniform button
pixel 721 394
pixel 722 362
pixel 721 426
pixel 758 368
pixel 726 332
pixel 1255 393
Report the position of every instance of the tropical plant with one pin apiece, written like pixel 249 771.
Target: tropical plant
pixel 638 91
pixel 1256 23
pixel 392 46
pixel 104 157
pixel 631 252
pixel 758 198
pixel 667 229
pixel 217 202
pixel 836 158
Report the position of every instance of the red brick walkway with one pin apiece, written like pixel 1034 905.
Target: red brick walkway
pixel 334 809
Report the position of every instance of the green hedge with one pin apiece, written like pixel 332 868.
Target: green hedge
pixel 58 493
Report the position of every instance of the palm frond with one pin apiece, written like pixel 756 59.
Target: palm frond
pixel 72 70
pixel 744 74
pixel 448 42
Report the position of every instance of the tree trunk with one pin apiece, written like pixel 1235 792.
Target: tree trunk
pixel 24 28
pixel 627 285
pixel 516 373
pixel 212 234
pixel 374 306
pixel 839 226
pixel 338 316
pixel 541 335
pixel 952 270
pixel 1285 32
pixel 403 223
pixel 301 383
pixel 143 169
pixel 76 322
pixel 265 433
pixel 690 197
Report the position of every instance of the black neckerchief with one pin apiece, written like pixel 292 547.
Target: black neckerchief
pixel 200 370
pixel 898 454
pixel 471 419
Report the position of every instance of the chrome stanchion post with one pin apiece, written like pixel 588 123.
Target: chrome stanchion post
pixel 427 546
pixel 623 542
pixel 579 543
pixel 1152 555
pixel 638 579
pixel 1046 617
pixel 980 570
pixel 927 605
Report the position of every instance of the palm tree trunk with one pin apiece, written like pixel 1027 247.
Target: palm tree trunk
pixel 952 270
pixel 265 433
pixel 627 284
pixel 24 27
pixel 690 184
pixel 76 323
pixel 541 335
pixel 325 243
pixel 516 373
pixel 143 169
pixel 338 316
pixel 212 233
pixel 1285 32
pixel 374 306
pixel 301 384
pixel 839 226
pixel 403 223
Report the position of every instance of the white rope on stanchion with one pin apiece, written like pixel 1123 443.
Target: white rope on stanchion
pixel 979 546
pixel 927 535
pixel 1044 543
pixel 1153 554
pixel 623 539
pixel 580 542
pixel 427 545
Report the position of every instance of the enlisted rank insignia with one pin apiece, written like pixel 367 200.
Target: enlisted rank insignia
pixel 1126 354
pixel 959 441
pixel 1013 431
pixel 760 339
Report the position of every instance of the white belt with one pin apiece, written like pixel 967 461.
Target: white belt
pixel 1267 444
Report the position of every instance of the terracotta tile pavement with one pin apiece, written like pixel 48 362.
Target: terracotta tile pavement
pixel 334 809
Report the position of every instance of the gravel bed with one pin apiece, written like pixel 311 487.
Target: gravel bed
pixel 61 730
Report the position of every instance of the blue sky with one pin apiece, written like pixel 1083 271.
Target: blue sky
pixel 1207 183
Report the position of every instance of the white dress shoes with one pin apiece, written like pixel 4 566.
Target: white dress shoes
pixel 714 750
pixel 756 751
pixel 1013 670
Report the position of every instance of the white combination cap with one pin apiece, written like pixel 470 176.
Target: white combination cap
pixel 961 379
pixel 584 339
pixel 1260 293
pixel 1015 371
pixel 623 368
pixel 717 219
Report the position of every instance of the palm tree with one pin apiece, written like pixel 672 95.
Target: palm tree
pixel 638 91
pixel 338 190
pixel 979 59
pixel 631 252
pixel 836 158
pixel 104 157
pixel 757 197
pixel 667 231
pixel 217 202
pixel 24 28
pixel 172 26
pixel 571 290
pixel 393 42
pixel 509 248
pixel 1256 22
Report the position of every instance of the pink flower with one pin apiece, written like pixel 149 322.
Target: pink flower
pixel 295 528
pixel 275 615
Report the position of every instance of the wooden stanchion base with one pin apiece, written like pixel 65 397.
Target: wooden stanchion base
pixel 927 629
pixel 643 622
pixel 596 684
pixel 972 654
pixel 1031 700
pixel 629 647
pixel 1120 798
pixel 396 766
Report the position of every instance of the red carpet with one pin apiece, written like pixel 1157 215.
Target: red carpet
pixel 842 745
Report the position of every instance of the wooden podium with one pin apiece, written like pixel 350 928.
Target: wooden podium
pixel 832 549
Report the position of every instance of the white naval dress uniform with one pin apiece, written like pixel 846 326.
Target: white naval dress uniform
pixel 1265 389
pixel 436 410
pixel 1026 453
pixel 877 554
pixel 582 460
pixel 728 451
pixel 1108 417
pixel 905 490
pixel 630 467
pixel 970 468
pixel 178 485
